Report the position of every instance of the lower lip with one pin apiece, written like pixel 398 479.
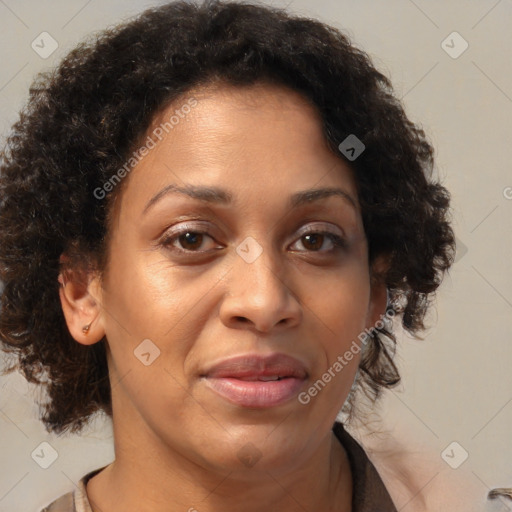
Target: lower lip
pixel 255 393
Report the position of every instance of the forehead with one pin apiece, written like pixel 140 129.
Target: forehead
pixel 263 135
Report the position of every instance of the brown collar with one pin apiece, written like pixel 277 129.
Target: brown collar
pixel 369 492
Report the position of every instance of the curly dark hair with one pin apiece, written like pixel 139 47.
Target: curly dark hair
pixel 83 119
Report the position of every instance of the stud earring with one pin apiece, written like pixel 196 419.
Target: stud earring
pixel 85 328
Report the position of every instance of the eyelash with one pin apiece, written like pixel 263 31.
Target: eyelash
pixel 337 241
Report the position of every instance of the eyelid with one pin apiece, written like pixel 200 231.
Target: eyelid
pixel 319 226
pixel 186 225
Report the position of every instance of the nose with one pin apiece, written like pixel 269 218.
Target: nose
pixel 259 297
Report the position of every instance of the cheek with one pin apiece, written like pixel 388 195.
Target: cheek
pixel 338 311
pixel 149 334
pixel 340 302
pixel 159 302
pixel 150 296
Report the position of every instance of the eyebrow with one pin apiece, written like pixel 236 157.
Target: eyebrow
pixel 218 195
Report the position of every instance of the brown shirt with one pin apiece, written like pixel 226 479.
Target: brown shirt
pixel 369 493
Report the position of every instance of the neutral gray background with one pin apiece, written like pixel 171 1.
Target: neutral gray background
pixel 457 382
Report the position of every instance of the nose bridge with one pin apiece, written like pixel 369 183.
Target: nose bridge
pixel 258 291
pixel 263 272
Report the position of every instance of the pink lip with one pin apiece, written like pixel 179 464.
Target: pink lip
pixel 237 379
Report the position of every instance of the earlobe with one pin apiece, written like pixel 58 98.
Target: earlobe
pixel 81 305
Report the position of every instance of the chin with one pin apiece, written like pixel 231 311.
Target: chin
pixel 259 447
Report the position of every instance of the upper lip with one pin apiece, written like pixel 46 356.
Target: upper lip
pixel 256 365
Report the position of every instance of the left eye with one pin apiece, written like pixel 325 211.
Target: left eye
pixel 314 241
pixel 188 240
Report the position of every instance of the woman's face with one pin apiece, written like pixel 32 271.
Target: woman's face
pixel 263 274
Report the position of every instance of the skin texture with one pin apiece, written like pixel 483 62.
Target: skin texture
pixel 177 442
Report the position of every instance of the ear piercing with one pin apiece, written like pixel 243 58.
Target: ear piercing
pixel 85 328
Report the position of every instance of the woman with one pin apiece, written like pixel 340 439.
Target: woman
pixel 210 217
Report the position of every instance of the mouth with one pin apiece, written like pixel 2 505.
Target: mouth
pixel 257 381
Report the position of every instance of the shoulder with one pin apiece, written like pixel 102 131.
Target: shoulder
pixel 76 500
pixel 418 479
pixel 65 503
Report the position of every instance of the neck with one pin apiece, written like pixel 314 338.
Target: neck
pixel 164 481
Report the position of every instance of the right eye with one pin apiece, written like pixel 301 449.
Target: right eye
pixel 186 240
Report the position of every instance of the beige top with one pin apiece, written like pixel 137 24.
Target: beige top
pixel 369 493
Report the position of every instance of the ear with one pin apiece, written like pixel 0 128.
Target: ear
pixel 80 298
pixel 378 291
